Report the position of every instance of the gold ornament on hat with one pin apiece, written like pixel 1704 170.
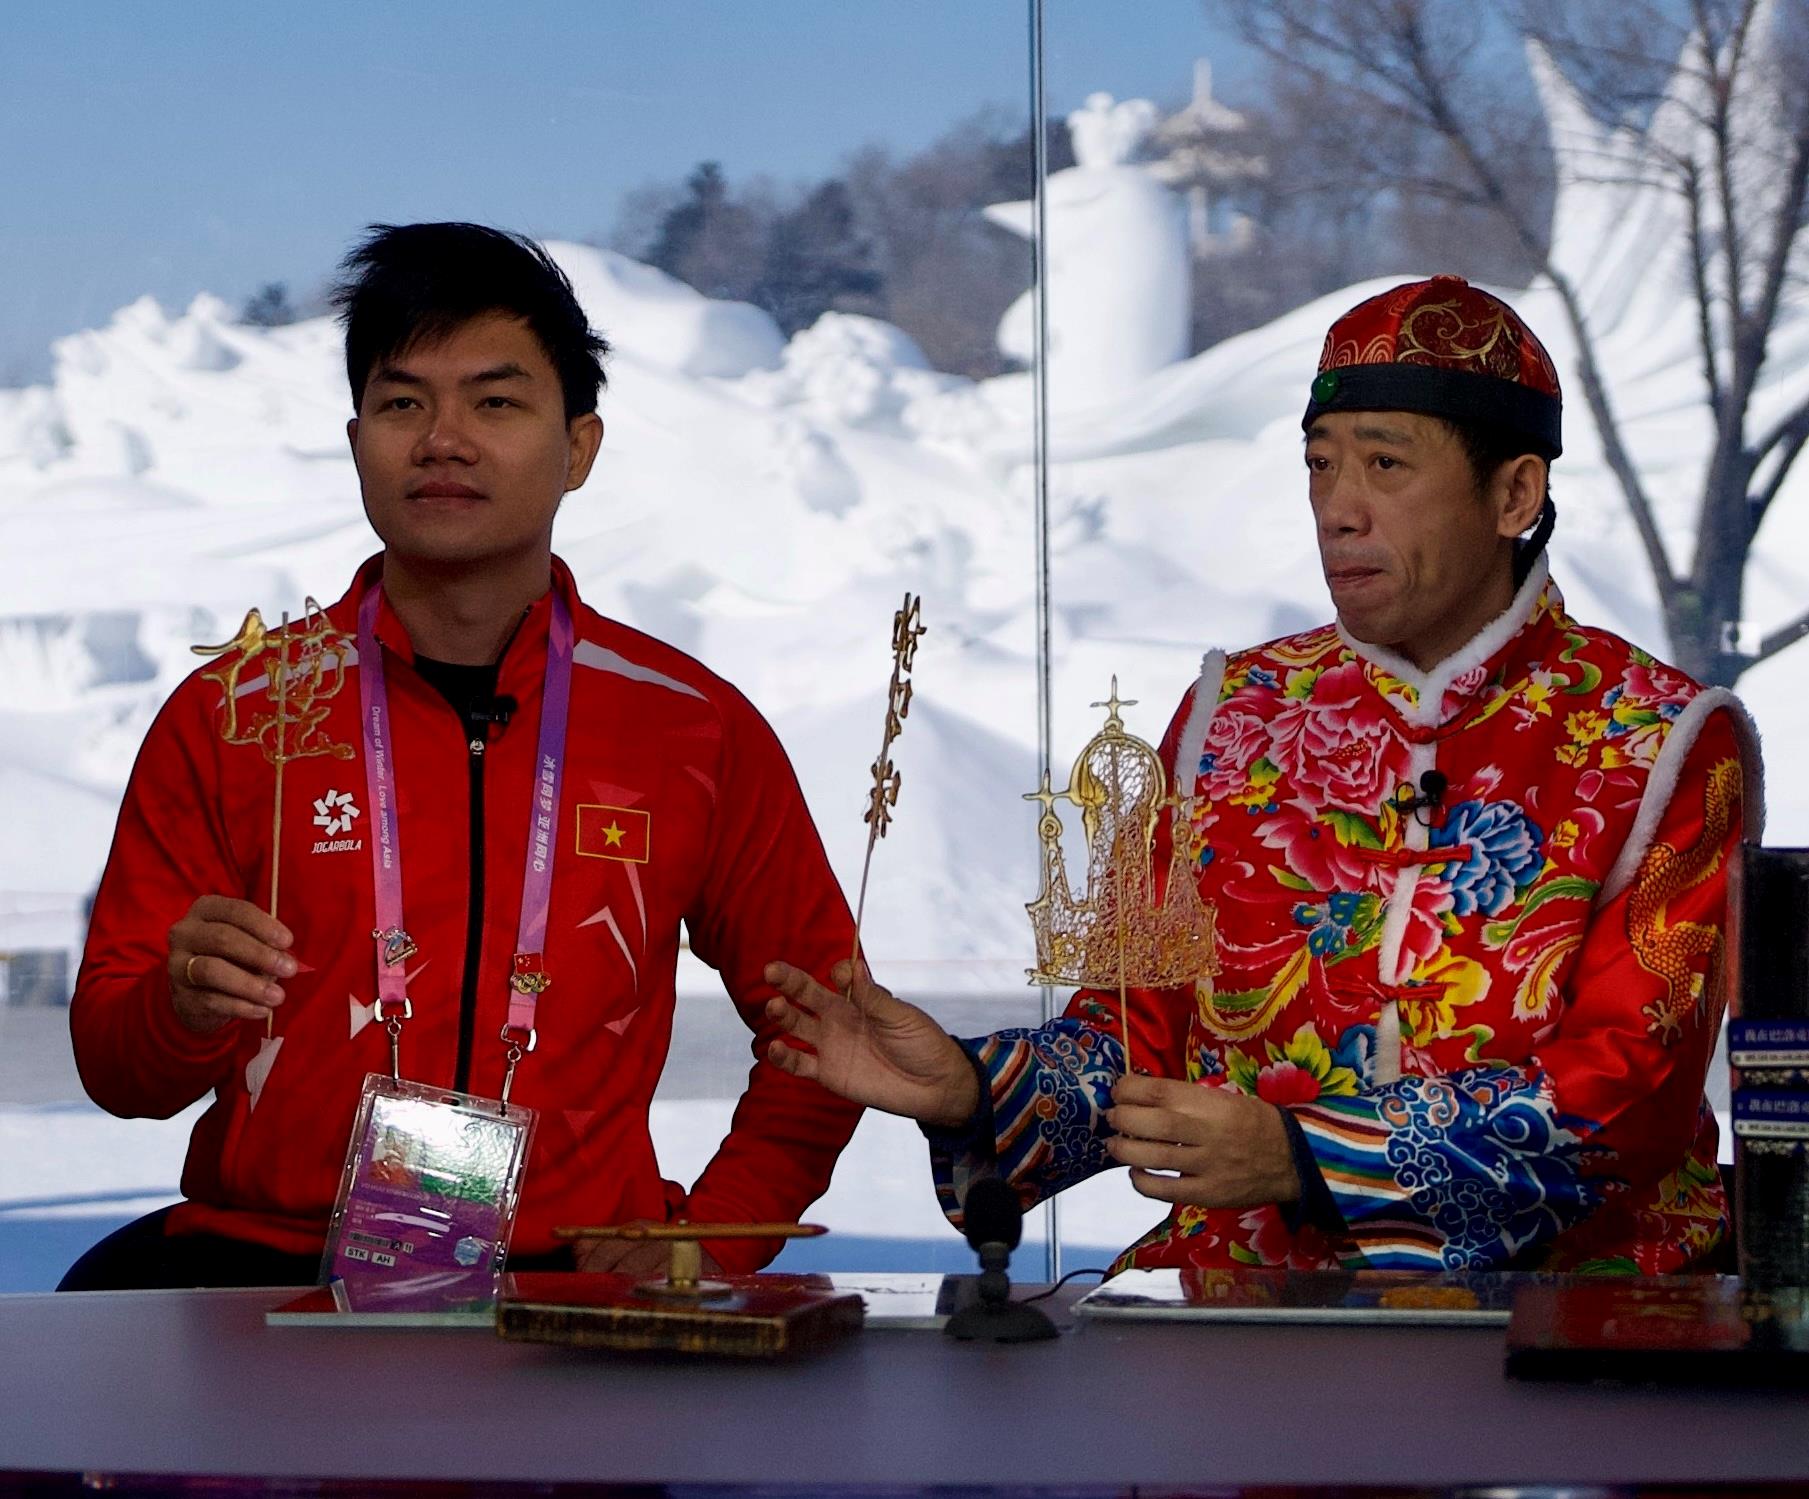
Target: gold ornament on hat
pixel 1119 934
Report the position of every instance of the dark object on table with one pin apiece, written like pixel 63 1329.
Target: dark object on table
pixel 1700 1329
pixel 993 1223
pixel 753 1316
pixel 1768 1049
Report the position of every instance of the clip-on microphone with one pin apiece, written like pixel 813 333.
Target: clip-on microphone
pixel 994 1223
pixel 493 710
pixel 1431 798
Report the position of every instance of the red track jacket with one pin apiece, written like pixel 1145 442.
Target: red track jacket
pixel 678 806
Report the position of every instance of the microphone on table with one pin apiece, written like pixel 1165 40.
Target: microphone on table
pixel 993 1223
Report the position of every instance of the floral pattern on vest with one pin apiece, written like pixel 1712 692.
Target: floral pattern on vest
pixel 1491 1016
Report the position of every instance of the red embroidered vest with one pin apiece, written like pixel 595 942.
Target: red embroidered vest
pixel 1362 938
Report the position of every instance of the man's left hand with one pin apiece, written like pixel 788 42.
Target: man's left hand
pixel 641 1259
pixel 1222 1148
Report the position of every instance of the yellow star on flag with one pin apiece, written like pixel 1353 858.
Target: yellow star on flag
pixel 621 833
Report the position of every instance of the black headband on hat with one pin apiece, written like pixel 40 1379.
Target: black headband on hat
pixel 1454 394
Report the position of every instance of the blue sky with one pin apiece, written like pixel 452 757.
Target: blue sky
pixel 169 148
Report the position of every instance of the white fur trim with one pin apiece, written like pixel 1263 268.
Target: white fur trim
pixel 1387 1068
pixel 1192 743
pixel 1668 770
pixel 1389 968
pixel 1431 686
pixel 1418 837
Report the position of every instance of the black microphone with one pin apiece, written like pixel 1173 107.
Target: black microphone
pixel 1433 786
pixel 993 1223
pixel 496 710
pixel 991 1217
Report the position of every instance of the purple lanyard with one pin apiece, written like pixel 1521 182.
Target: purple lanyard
pixel 528 976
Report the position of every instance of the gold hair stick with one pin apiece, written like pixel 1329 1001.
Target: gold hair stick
pixel 882 796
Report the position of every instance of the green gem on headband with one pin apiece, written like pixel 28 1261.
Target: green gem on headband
pixel 1325 386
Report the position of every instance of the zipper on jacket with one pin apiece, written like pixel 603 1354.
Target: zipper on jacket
pixel 474 917
pixel 476 727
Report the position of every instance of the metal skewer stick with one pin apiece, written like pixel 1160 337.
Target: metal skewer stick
pixel 281 668
pixel 882 796
pixel 1118 846
pixel 876 824
pixel 1124 1005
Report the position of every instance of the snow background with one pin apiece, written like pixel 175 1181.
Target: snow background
pixel 764 504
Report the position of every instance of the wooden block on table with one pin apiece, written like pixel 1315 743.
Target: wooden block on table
pixel 757 1316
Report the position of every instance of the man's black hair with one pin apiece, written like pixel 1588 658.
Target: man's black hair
pixel 407 284
pixel 1486 448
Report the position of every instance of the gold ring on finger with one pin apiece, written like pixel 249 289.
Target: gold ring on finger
pixel 188 970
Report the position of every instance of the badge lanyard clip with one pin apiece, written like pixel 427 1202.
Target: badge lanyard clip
pixel 392 1022
pixel 514 1049
pixel 527 982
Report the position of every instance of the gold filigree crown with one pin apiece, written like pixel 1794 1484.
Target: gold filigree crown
pixel 1120 933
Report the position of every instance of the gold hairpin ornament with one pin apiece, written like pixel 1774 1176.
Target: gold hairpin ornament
pixel 882 795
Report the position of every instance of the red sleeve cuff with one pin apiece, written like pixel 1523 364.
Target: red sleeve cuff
pixel 170 1038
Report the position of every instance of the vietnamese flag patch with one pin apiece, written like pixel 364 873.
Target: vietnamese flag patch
pixel 614 833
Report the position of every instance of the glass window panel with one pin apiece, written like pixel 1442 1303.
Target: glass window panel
pixel 1144 577
pixel 809 413
pixel 1191 285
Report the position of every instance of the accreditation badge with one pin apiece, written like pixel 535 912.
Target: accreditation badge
pixel 432 1180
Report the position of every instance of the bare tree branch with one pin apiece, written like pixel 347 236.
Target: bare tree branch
pixel 1595 389
pixel 1699 276
pixel 1595 392
pixel 1721 69
pixel 1778 639
pixel 1388 181
pixel 1789 437
pixel 1787 224
pixel 1791 426
pixel 1437 104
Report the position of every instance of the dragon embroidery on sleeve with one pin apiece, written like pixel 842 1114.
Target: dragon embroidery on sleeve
pixel 1683 953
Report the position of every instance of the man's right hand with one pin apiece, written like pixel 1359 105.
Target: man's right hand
pixel 870 1048
pixel 225 956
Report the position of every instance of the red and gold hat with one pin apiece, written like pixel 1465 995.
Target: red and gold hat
pixel 1444 348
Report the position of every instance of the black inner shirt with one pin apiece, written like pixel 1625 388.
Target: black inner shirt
pixel 470 689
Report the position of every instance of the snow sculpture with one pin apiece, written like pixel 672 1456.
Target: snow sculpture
pixel 651 316
pixel 1118 264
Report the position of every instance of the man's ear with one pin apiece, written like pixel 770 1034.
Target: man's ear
pixel 584 432
pixel 351 435
pixel 1519 493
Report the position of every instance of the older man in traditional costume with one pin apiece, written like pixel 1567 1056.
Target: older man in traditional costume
pixel 1469 859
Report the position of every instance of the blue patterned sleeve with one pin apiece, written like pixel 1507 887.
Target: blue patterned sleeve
pixel 1463 1171
pixel 1041 1121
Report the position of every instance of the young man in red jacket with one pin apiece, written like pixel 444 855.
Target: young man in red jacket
pixel 475 379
